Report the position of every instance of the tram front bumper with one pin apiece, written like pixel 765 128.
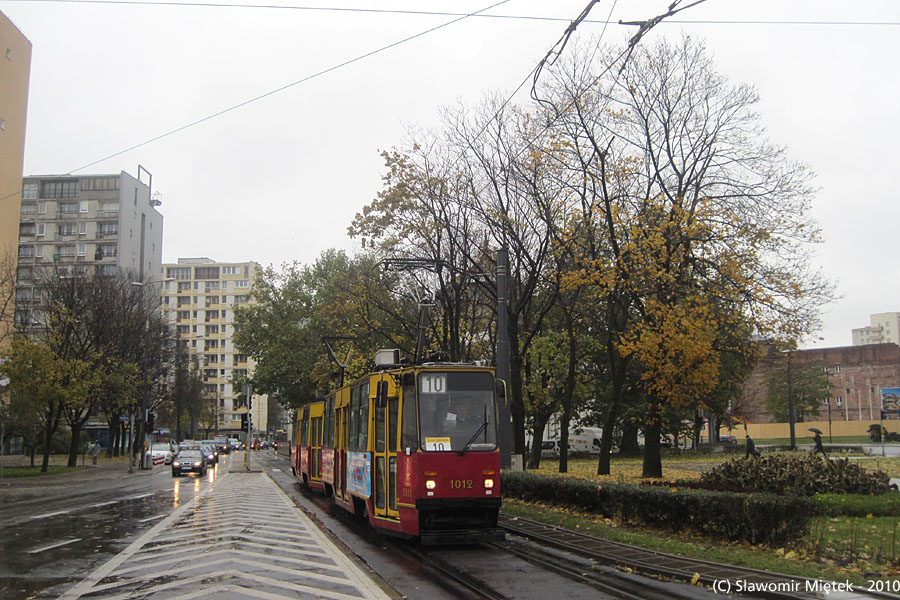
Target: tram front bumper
pixel 458 520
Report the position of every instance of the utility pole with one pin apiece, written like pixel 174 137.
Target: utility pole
pixel 503 370
pixel 791 417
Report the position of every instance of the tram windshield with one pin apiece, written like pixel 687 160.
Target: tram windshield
pixel 457 411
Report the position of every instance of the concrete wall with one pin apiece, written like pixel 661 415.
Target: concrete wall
pixel 15 69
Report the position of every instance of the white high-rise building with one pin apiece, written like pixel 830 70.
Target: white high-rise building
pixel 97 224
pixel 199 304
pixel 884 329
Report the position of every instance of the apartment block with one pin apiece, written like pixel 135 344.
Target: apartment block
pixel 104 224
pixel 199 304
pixel 884 328
pixel 15 69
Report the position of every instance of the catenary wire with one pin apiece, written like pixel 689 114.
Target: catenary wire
pixel 187 4
pixel 288 86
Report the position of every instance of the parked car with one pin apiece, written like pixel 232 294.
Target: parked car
pixel 728 439
pixel 211 451
pixel 234 443
pixel 189 461
pixel 161 449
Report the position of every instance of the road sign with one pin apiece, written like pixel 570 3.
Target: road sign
pixel 124 419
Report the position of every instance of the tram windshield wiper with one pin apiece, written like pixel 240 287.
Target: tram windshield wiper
pixel 481 428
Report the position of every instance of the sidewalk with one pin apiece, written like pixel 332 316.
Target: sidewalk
pixel 106 468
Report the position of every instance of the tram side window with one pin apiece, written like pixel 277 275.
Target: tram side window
pixel 363 431
pixel 304 427
pixel 354 419
pixel 328 441
pixel 409 438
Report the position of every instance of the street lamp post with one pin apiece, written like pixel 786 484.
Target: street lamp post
pixel 145 396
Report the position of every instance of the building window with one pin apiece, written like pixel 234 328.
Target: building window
pixel 30 191
pixel 83 206
pixel 67 250
pixel 206 273
pixel 3 124
pixel 241 284
pixel 108 269
pixel 82 229
pixel 59 189
pixel 100 184
pixel 28 209
pixel 212 330
pixel 109 228
pixel 179 273
pixel 26 251
pixel 68 208
pixel 837 368
pixel 108 209
pixel 109 249
pixel 65 229
pixel 82 249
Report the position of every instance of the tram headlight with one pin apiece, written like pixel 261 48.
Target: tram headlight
pixel 430 484
pixel 488 484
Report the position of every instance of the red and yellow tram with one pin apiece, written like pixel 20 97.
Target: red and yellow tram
pixel 412 449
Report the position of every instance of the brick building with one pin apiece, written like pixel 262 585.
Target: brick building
pixel 857 375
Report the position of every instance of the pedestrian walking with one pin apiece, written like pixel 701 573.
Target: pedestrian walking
pixel 751 447
pixel 94 452
pixel 817 440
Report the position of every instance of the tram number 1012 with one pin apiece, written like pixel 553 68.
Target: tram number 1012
pixel 461 484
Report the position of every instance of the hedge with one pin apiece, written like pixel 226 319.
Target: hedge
pixel 756 518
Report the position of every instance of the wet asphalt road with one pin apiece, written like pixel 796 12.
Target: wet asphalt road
pixel 55 530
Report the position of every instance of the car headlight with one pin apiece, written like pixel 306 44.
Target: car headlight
pixel 197 464
pixel 175 463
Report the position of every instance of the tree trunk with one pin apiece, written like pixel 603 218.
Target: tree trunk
pixel 564 443
pixel 537 438
pixel 629 444
pixel 652 455
pixel 73 444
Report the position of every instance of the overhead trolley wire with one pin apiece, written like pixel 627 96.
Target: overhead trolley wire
pixel 437 13
pixel 289 85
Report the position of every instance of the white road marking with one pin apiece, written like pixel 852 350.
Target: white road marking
pixel 148 519
pixel 56 545
pixel 141 497
pixel 47 515
pixel 104 504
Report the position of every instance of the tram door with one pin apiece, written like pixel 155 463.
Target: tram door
pixel 315 442
pixel 386 421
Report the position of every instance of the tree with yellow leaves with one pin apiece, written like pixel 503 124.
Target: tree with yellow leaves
pixel 682 218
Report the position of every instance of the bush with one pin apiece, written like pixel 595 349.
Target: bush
pixel 849 505
pixel 800 474
pixel 752 517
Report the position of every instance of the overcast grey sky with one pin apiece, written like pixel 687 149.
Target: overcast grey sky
pixel 281 178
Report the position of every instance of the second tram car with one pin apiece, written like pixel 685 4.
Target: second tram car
pixel 411 449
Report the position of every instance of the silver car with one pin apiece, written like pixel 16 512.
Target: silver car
pixel 161 449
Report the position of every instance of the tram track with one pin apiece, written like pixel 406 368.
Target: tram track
pixel 649 562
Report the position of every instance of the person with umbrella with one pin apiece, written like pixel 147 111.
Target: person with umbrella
pixel 817 439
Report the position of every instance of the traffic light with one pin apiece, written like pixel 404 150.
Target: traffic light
pixel 249 422
pixel 151 421
pixel 245 418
